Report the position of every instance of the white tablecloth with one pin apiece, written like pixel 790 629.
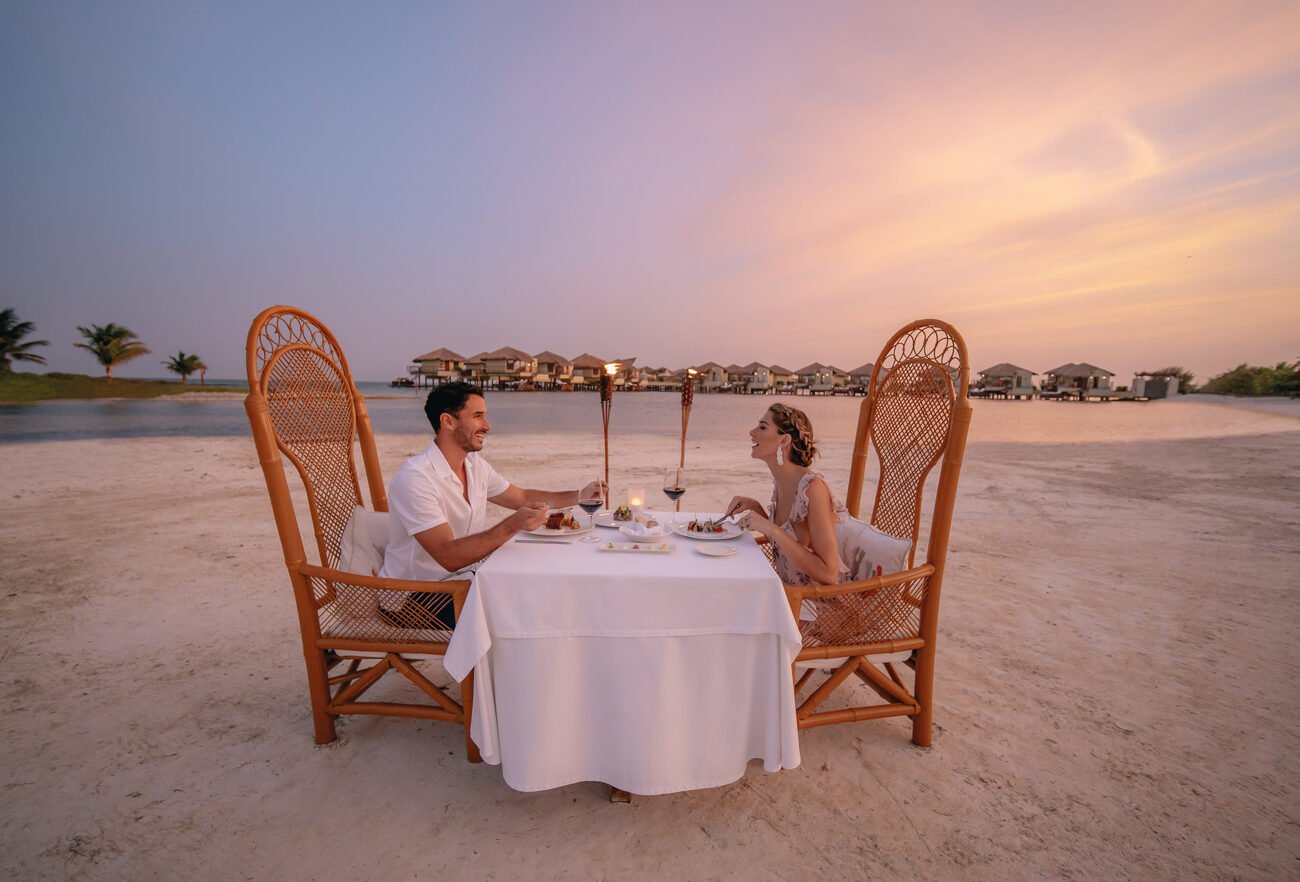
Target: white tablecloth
pixel 652 672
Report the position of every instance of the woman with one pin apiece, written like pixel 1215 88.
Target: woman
pixel 801 521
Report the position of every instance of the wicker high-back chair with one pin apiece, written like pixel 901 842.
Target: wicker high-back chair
pixel 916 416
pixel 303 405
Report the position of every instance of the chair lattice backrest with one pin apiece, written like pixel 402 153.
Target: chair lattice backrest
pixel 313 412
pixel 915 415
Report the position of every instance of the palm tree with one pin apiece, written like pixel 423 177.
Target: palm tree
pixel 111 344
pixel 12 348
pixel 183 364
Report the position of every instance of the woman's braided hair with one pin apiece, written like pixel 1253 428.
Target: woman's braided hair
pixel 794 422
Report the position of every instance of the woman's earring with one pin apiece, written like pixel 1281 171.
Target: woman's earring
pixel 780 455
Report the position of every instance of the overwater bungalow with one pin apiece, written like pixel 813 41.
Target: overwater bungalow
pixel 661 378
pixel 587 369
pixel 757 378
pixel 1079 381
pixel 476 368
pixel 783 379
pixel 711 376
pixel 860 376
pixel 437 367
pixel 735 378
pixel 1006 380
pixel 552 370
pixel 628 375
pixel 507 367
pixel 841 380
pixel 817 378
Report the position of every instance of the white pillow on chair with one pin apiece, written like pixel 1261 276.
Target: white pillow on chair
pixel 364 541
pixel 868 552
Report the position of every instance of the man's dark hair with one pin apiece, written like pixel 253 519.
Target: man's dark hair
pixel 448 398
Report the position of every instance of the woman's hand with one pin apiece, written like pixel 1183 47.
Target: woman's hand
pixel 759 524
pixel 741 504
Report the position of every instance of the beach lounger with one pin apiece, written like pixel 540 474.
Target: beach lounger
pixel 915 417
pixel 304 406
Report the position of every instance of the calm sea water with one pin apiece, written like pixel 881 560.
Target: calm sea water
pixel 714 417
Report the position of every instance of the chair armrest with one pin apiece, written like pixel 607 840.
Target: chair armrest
pixel 862 586
pixel 347 609
pixel 356 580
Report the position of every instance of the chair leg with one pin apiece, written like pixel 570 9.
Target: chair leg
pixel 924 691
pixel 318 685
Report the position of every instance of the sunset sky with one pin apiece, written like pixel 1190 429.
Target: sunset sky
pixel 1111 182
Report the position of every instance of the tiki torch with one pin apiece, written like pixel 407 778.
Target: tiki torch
pixel 688 398
pixel 607 402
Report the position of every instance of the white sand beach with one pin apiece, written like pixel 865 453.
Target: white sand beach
pixel 1115 691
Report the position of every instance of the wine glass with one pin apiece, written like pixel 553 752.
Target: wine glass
pixel 674 486
pixel 591 505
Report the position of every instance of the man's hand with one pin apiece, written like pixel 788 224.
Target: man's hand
pixel 596 488
pixel 528 516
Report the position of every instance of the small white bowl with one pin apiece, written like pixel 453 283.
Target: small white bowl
pixel 653 533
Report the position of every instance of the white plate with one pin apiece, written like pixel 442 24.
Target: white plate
pixel 551 534
pixel 717 550
pixel 626 530
pixel 606 519
pixel 639 547
pixel 732 532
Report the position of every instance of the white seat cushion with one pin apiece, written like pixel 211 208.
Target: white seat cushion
pixel 364 540
pixel 868 552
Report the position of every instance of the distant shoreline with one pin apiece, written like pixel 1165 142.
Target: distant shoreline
pixel 23 388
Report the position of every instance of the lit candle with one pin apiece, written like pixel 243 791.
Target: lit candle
pixel 636 498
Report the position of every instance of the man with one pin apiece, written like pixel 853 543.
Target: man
pixel 437 505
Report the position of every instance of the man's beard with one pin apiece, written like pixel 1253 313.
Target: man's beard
pixel 467 440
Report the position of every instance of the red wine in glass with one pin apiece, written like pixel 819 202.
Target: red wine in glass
pixel 590 506
pixel 674 485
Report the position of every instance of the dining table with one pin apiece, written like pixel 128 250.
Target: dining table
pixel 654 669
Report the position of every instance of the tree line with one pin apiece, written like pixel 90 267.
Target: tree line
pixel 110 344
pixel 1281 379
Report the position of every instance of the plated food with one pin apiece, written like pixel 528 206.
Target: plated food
pixel 560 523
pixel 623 513
pixel 565 520
pixel 709 530
pixel 708 525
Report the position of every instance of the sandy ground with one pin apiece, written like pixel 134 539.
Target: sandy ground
pixel 1116 694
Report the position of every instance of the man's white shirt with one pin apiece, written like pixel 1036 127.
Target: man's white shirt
pixel 424 493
